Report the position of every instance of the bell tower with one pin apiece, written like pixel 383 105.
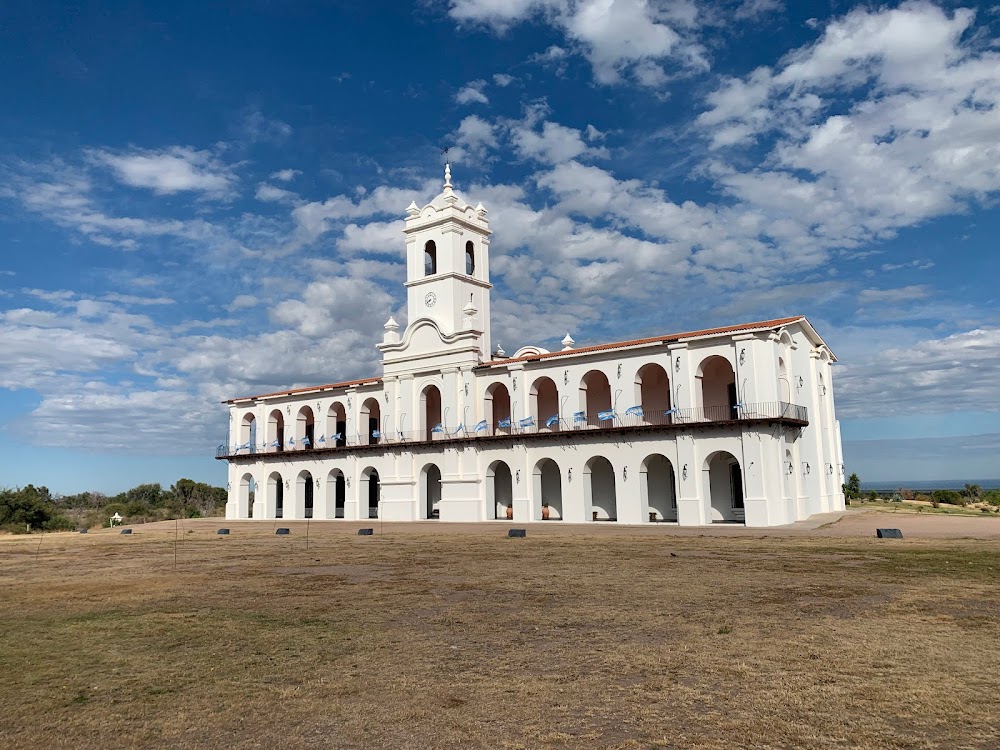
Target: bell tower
pixel 447 281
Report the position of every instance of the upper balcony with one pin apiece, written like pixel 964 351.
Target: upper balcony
pixel 633 420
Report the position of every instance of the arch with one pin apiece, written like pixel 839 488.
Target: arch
pixel 336 488
pixel 275 496
pixel 336 424
pixel 544 403
pixel 548 488
pixel 248 433
pixel 718 389
pixel 595 396
pixel 430 412
pixel 247 496
pixel 497 406
pixel 430 258
pixel 723 487
pixel 369 430
pixel 470 258
pixel 500 490
pixel 430 492
pixel 305 429
pixel 599 489
pixel 304 494
pixel 784 384
pixel 652 392
pixel 275 431
pixel 371 490
pixel 658 486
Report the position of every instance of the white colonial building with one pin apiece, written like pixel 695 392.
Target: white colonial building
pixel 732 424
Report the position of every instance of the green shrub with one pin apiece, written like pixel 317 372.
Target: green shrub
pixel 949 496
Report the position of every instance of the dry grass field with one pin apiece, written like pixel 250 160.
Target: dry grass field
pixel 457 637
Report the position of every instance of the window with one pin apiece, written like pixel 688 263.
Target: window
pixel 470 258
pixel 430 258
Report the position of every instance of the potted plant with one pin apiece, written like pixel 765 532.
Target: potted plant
pixel 510 511
pixel 545 511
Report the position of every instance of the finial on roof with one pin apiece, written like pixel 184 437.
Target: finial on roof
pixel 391 324
pixel 413 209
pixel 500 352
pixel 568 342
pixel 447 175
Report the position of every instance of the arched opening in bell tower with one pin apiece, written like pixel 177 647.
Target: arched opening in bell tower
pixel 470 258
pixel 430 258
pixel 430 410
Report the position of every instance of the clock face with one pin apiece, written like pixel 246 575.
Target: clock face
pixel 430 298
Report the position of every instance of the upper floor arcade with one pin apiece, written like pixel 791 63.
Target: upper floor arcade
pixel 756 373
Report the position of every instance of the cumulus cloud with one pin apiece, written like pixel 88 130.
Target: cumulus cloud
pixel 285 175
pixel 618 37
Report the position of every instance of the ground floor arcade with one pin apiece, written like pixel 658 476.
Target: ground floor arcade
pixel 734 478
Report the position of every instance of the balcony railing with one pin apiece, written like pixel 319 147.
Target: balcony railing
pixel 770 411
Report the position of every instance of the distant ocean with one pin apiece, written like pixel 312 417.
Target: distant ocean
pixel 936 484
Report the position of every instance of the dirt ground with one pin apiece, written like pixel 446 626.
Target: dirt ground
pixel 452 636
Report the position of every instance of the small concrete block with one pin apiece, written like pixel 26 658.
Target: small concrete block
pixel 366 532
pixel 83 531
pixel 223 532
pixel 888 533
pixel 517 533
pixel 282 531
pixel 126 531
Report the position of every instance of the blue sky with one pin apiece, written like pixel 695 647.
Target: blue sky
pixel 201 200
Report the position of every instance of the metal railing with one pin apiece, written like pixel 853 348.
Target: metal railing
pixel 765 411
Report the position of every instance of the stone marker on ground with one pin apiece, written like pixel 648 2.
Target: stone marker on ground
pixel 366 532
pixel 517 533
pixel 223 532
pixel 126 531
pixel 888 533
pixel 282 531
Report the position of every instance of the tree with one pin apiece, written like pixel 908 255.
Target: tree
pixel 30 507
pixel 972 491
pixel 852 490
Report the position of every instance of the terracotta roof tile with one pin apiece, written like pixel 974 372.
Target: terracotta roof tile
pixel 764 324
pixel 327 387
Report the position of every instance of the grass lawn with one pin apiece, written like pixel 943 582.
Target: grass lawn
pixel 465 639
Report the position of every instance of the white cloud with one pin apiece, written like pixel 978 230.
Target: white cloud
pixel 172 170
pixel 893 296
pixel 258 128
pixel 554 144
pixel 473 140
pixel 503 80
pixel 472 92
pixel 616 36
pixel 959 372
pixel 272 194
pixel 285 175
pixel 242 302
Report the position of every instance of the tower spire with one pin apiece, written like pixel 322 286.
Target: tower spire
pixel 447 175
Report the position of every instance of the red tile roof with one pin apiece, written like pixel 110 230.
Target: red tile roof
pixel 764 324
pixel 327 387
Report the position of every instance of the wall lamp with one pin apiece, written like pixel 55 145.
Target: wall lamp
pixel 684 471
pixel 569 474
pixel 743 356
pixel 347 481
pixel 806 468
pixel 317 483
pixel 677 365
pixel 517 476
pixel 286 484
pixel 791 468
pixel 624 473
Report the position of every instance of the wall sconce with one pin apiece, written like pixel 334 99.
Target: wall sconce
pixel 565 377
pixel 569 474
pixel 517 476
pixel 286 484
pixel 822 390
pixel 829 468
pixel 317 483
pixel 348 402
pixel 624 473
pixel 791 468
pixel 318 407
pixel 806 468
pixel 841 468
pixel 385 394
pixel 229 486
pixel 466 389
pixel 743 356
pixel 677 365
pixel 684 472
pixel 288 409
pixel 800 381
pixel 347 481
pixel 515 385
pixel 619 369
